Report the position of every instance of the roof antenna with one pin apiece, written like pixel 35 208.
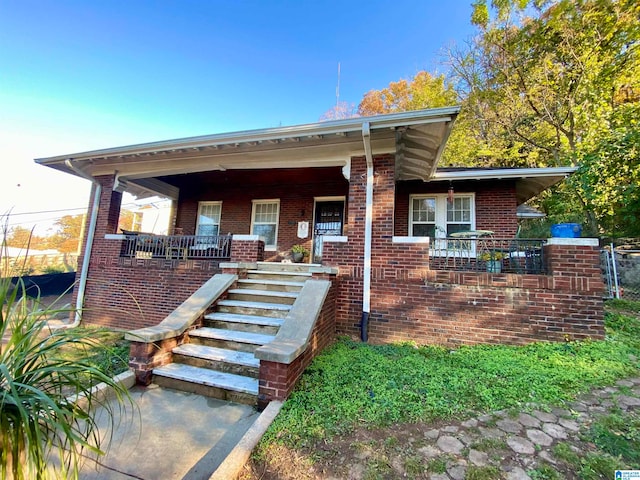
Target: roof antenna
pixel 338 89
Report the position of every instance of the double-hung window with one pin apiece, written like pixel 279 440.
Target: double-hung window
pixel 436 216
pixel 460 215
pixel 264 221
pixel 209 214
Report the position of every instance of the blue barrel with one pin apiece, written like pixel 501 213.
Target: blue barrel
pixel 566 230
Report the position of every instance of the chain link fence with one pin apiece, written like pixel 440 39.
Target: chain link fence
pixel 621 269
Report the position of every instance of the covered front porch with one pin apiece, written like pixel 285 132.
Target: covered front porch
pixel 470 251
pixel 420 253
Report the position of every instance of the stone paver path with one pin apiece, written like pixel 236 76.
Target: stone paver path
pixel 516 443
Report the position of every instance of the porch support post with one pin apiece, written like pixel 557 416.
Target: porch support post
pixel 103 219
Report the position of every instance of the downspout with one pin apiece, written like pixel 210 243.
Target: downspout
pixel 368 225
pixel 82 285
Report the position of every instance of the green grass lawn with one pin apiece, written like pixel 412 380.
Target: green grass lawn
pixel 109 351
pixel 354 384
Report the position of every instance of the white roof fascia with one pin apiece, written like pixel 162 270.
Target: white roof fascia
pixel 447 132
pixel 417 117
pixel 500 173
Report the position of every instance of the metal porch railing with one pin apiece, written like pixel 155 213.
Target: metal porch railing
pixel 488 254
pixel 144 245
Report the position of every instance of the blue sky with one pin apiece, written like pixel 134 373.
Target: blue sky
pixel 82 75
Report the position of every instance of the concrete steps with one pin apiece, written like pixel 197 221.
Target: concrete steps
pixel 218 361
pixel 258 295
pixel 274 285
pixel 263 309
pixel 283 276
pixel 246 323
pixel 225 386
pixel 286 267
pixel 229 339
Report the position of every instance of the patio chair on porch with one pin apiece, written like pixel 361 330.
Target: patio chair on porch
pixel 177 245
pixel 463 248
pixel 525 255
pixel 142 244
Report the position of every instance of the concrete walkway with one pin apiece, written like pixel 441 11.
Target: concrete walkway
pixel 172 435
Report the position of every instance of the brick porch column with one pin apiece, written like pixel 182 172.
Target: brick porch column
pixel 247 248
pixel 577 285
pixel 107 222
pixel 348 255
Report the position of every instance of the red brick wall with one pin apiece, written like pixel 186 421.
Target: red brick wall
pixel 134 293
pixel 452 308
pixel 411 302
pixel 131 293
pixel 295 188
pixel 348 256
pixel 408 301
pixel 144 357
pixel 495 204
pixel 278 379
pixel 247 251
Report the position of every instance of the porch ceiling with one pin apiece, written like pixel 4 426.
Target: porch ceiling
pixel 416 138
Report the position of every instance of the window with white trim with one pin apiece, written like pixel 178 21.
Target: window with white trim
pixel 264 221
pixel 209 214
pixel 436 217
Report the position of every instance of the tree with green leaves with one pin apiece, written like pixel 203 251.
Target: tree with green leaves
pixel 608 177
pixel 422 91
pixel 549 80
pixel 544 81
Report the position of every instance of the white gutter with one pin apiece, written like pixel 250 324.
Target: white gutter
pixel 388 121
pixel 502 173
pixel 368 226
pixel 82 285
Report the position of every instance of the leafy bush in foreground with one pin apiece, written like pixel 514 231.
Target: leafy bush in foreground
pixel 40 419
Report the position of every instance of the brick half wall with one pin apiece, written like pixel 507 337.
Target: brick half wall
pixel 410 302
pixel 277 380
pixel 132 293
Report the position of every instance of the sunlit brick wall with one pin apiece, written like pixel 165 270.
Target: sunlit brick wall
pixel 411 302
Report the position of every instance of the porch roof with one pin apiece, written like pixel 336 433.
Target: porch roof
pixel 416 138
pixel 528 181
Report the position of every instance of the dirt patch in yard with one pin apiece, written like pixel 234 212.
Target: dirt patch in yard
pixel 556 443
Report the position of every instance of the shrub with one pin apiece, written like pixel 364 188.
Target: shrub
pixel 41 418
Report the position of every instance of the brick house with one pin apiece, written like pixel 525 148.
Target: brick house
pixel 404 245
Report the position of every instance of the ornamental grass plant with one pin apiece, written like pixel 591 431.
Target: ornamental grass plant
pixel 45 432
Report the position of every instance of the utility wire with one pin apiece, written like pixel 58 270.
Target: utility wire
pixel 10 213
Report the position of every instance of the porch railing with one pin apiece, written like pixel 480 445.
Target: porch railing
pixel 488 254
pixel 144 245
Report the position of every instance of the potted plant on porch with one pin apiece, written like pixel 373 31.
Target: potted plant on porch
pixel 298 252
pixel 493 260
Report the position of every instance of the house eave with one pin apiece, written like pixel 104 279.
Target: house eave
pixel 529 182
pixel 336 128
